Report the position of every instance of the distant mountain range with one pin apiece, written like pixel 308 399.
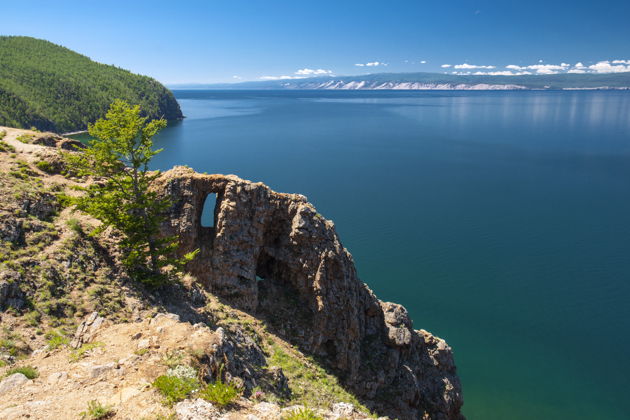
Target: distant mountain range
pixel 434 81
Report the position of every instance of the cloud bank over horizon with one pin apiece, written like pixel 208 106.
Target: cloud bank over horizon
pixel 601 67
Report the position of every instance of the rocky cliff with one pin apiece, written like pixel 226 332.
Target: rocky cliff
pixel 272 305
pixel 274 256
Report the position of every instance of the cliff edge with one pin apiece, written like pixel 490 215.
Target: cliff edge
pixel 271 305
pixel 274 256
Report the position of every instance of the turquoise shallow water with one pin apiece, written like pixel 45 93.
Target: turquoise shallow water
pixel 501 220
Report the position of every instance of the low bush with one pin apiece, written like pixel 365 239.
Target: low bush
pixel 96 411
pixel 220 393
pixel 45 166
pixel 303 414
pixel 175 389
pixel 56 340
pixel 24 138
pixel 29 371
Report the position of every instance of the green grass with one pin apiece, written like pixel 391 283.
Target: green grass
pixel 175 389
pixel 56 340
pixel 2 134
pixel 4 147
pixel 220 393
pixel 29 371
pixel 302 414
pixel 96 410
pixel 75 226
pixel 310 384
pixel 81 351
pixel 45 166
pixel 24 138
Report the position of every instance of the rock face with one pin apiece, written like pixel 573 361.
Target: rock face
pixel 273 255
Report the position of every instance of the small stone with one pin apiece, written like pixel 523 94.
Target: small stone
pixel 99 370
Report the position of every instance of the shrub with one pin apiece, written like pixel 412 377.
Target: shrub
pixel 175 389
pixel 56 340
pixel 24 138
pixel 220 393
pixel 75 225
pixel 29 371
pixel 303 414
pixel 2 134
pixel 96 410
pixel 45 166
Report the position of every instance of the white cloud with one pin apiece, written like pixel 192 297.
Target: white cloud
pixel 606 67
pixel 300 74
pixel 371 64
pixel 472 66
pixel 423 62
pixel 312 72
pixel 280 77
pixel 236 77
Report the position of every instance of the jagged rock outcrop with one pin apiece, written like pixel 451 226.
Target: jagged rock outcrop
pixel 273 255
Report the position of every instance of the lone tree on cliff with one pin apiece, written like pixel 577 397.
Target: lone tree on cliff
pixel 120 195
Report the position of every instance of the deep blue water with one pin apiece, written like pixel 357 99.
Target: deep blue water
pixel 501 220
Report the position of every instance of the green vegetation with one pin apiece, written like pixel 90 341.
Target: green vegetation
pixel 75 226
pixel 303 414
pixel 77 354
pixel 120 157
pixel 96 410
pixel 175 389
pixel 45 166
pixel 2 134
pixel 311 385
pixel 53 88
pixel 28 371
pixel 56 340
pixel 220 393
pixel 24 138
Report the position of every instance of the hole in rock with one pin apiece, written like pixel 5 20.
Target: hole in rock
pixel 207 214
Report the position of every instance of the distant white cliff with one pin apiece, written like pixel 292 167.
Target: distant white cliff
pixel 367 85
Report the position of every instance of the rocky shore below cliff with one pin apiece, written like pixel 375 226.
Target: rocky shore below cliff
pixel 272 304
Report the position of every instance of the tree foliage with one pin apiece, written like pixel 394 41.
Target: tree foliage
pixel 120 195
pixel 53 88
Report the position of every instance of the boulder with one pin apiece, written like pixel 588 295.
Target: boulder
pixel 11 382
pixel 195 410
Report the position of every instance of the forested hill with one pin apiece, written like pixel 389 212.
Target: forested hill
pixel 52 88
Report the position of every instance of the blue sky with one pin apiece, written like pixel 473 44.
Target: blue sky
pixel 233 40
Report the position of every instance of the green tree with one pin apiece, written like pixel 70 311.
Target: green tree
pixel 120 194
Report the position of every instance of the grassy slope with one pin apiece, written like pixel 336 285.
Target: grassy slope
pixel 67 273
pixel 53 88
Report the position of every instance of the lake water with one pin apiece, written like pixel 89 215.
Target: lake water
pixel 501 220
